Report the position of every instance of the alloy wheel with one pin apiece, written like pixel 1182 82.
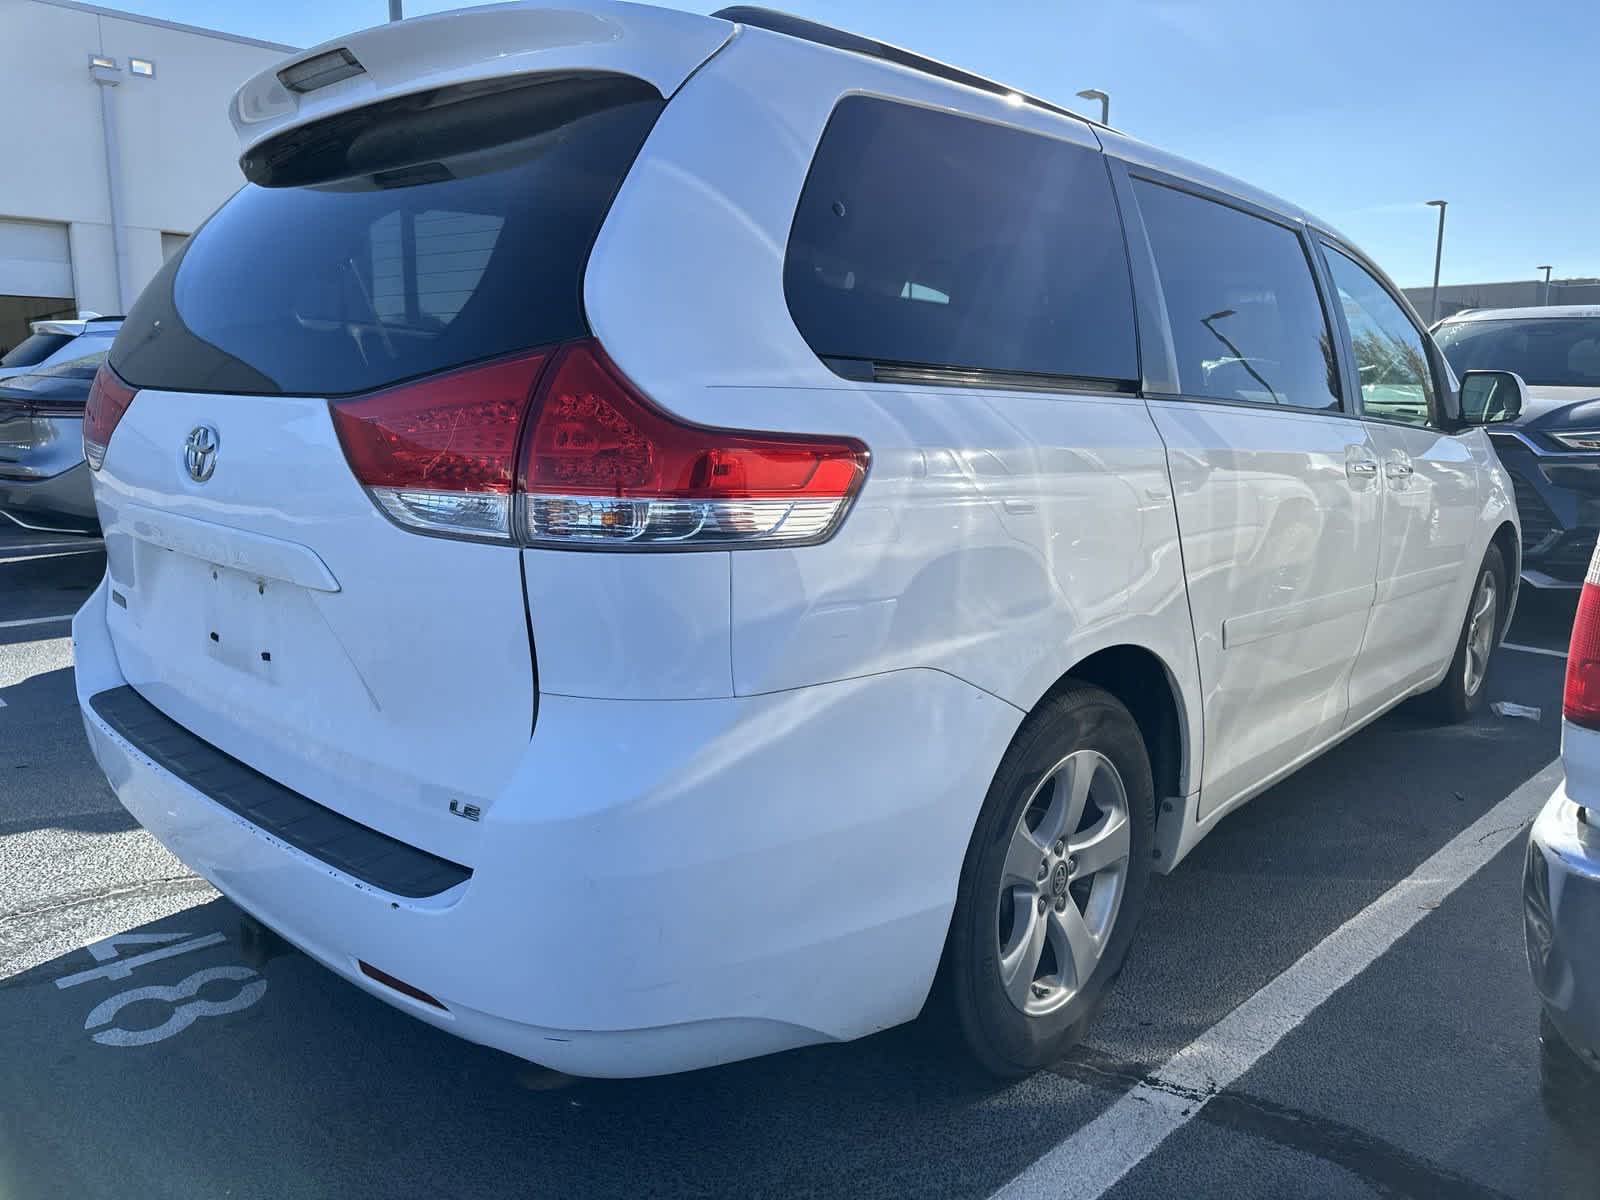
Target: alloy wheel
pixel 1065 872
pixel 1480 633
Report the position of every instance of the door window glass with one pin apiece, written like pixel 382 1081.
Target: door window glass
pixel 1246 320
pixel 1396 382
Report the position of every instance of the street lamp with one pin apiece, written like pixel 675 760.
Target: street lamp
pixel 1105 103
pixel 1546 271
pixel 394 11
pixel 1438 255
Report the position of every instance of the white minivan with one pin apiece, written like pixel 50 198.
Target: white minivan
pixel 646 539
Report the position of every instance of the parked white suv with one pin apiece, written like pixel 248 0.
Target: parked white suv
pixel 641 539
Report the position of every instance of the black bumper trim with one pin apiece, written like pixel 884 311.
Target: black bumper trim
pixel 357 850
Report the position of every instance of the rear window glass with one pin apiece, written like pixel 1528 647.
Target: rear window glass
pixel 932 239
pixel 67 381
pixel 81 362
pixel 400 241
pixel 34 349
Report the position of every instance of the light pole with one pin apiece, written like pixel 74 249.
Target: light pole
pixel 1438 256
pixel 394 11
pixel 1546 271
pixel 107 74
pixel 1105 103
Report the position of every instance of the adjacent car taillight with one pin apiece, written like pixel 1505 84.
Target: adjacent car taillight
pixel 108 399
pixel 1580 702
pixel 557 448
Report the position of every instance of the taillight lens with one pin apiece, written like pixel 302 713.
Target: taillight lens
pixel 441 454
pixel 108 399
pixel 557 448
pixel 1580 702
pixel 604 466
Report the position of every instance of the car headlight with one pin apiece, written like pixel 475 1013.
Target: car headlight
pixel 1579 440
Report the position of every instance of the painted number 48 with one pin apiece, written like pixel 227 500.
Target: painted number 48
pixel 183 997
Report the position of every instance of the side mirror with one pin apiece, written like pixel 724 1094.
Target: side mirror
pixel 1488 397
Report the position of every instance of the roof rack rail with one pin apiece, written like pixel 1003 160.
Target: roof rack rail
pixel 839 39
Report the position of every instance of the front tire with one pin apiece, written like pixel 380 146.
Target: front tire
pixel 1053 884
pixel 1464 689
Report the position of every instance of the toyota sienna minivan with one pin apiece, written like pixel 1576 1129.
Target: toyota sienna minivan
pixel 645 539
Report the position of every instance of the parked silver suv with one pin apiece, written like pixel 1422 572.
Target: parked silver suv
pixel 44 484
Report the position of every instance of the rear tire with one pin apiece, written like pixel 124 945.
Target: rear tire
pixel 1053 884
pixel 1464 689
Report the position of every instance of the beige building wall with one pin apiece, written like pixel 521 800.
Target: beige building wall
pixel 175 149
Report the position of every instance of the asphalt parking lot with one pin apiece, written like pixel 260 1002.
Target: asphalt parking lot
pixel 159 1063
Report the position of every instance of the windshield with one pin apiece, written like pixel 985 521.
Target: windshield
pixel 1546 352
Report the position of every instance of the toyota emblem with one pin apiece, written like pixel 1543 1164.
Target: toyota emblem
pixel 200 453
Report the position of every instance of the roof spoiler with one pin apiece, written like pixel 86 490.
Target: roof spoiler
pixel 661 46
pixel 841 39
pixel 72 327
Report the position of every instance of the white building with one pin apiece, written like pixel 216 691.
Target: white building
pixel 115 146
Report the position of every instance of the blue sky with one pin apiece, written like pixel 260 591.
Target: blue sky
pixel 1359 111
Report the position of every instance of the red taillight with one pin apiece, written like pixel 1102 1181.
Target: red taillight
pixel 1580 702
pixel 441 454
pixel 603 465
pixel 579 457
pixel 108 399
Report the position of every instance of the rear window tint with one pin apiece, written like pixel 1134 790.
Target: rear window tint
pixel 937 240
pixel 34 349
pixel 418 236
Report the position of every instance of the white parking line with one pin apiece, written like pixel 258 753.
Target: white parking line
pixel 33 621
pixel 48 556
pixel 1533 650
pixel 1097 1155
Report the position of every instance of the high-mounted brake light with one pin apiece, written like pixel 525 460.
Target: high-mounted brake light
pixel 1580 700
pixel 108 399
pixel 309 74
pixel 557 448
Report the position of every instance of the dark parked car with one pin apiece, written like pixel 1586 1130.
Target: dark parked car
pixel 1552 451
pixel 44 482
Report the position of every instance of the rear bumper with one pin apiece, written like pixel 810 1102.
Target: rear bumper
pixel 61 503
pixel 1561 919
pixel 662 886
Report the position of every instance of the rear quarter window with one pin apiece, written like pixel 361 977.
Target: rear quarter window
pixel 936 240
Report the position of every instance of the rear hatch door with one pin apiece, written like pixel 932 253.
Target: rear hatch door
pixel 259 596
